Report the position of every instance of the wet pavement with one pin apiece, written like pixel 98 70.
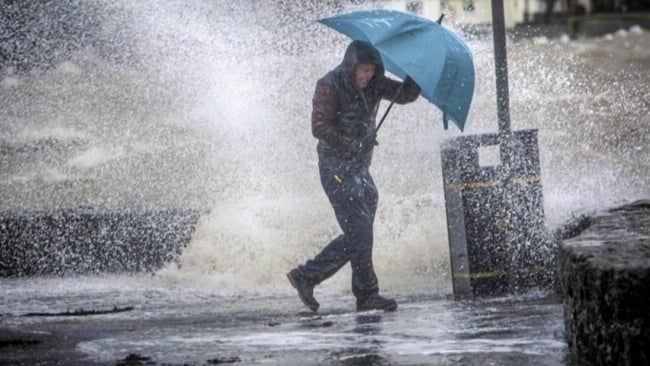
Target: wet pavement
pixel 148 325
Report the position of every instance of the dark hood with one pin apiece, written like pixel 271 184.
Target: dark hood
pixel 359 52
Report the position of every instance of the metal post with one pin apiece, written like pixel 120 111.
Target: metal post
pixel 526 12
pixel 501 71
pixel 505 134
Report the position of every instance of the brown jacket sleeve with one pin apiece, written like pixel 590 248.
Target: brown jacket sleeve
pixel 409 92
pixel 325 114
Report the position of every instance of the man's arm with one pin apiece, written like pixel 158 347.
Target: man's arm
pixel 325 112
pixel 409 93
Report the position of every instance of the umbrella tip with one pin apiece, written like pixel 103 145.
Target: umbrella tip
pixel 439 21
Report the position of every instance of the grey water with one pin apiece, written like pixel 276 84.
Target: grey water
pixel 206 104
pixel 189 325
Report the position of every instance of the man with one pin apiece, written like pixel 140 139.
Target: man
pixel 345 105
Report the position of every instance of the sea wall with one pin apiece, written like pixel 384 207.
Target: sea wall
pixel 92 240
pixel 604 275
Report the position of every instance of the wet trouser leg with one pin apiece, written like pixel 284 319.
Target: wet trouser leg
pixel 354 199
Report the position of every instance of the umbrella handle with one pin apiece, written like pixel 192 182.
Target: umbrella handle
pixel 399 90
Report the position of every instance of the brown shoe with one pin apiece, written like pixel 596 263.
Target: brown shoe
pixel 305 289
pixel 376 302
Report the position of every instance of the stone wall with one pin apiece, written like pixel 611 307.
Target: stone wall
pixel 92 240
pixel 604 275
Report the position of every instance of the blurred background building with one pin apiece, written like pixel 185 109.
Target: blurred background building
pixel 518 11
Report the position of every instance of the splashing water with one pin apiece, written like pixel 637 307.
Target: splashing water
pixel 207 105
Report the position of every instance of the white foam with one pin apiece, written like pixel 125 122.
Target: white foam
pixel 636 30
pixel 52 131
pixel 94 156
pixel 45 175
pixel 69 68
pixel 9 82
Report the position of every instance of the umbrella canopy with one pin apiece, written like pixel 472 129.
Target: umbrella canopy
pixel 410 45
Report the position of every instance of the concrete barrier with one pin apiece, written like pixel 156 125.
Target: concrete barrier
pixel 92 240
pixel 604 275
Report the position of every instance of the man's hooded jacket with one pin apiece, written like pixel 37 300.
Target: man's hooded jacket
pixel 342 111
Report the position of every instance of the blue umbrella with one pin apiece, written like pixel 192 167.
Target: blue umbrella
pixel 410 45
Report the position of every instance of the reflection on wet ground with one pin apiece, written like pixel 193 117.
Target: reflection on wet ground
pixel 179 326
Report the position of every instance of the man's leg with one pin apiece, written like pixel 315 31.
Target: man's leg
pixel 335 254
pixel 343 192
pixel 354 206
pixel 326 263
pixel 354 199
pixel 368 297
pixel 364 279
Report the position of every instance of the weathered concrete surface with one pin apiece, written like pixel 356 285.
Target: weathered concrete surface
pixel 604 275
pixel 92 240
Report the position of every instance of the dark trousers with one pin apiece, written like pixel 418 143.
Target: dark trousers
pixel 353 196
